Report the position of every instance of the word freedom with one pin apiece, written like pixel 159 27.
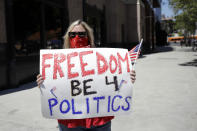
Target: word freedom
pixel 102 65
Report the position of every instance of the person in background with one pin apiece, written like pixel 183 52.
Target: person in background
pixel 80 35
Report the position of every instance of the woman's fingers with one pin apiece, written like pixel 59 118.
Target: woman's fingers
pixel 38 76
pixel 133 79
pixel 133 73
pixel 133 76
pixel 39 80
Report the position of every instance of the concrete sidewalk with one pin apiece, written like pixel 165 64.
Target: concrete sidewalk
pixel 165 97
pixel 165 93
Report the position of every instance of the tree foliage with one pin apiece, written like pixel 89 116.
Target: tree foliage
pixel 186 14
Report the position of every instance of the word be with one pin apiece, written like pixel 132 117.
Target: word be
pixel 76 86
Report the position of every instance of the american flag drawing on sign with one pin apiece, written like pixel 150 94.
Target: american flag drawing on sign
pixel 135 52
pixel 52 91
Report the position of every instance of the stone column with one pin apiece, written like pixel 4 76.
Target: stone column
pixel 3 38
pixel 139 19
pixel 3 45
pixel 75 10
pixel 132 23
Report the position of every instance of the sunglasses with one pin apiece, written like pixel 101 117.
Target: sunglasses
pixel 80 34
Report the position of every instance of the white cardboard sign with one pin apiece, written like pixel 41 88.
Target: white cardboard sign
pixel 85 82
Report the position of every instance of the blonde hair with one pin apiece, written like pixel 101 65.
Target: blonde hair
pixel 85 26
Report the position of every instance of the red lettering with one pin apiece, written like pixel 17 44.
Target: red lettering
pixel 44 66
pixel 71 74
pixel 57 67
pixel 123 60
pixel 113 58
pixel 85 72
pixel 104 67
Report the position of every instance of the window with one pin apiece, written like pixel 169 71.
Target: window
pixel 26 27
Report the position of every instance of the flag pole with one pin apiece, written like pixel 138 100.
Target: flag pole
pixel 133 63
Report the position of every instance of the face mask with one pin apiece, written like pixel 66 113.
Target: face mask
pixel 79 42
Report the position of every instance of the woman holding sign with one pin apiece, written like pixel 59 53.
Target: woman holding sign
pixel 80 35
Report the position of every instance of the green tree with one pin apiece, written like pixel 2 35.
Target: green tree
pixel 186 14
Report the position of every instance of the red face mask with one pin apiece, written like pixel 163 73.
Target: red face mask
pixel 79 42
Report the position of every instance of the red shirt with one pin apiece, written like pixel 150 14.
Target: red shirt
pixel 88 122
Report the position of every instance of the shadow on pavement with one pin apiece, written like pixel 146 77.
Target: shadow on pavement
pixel 192 63
pixel 142 56
pixel 160 49
pixel 20 88
pixel 187 49
pixel 163 49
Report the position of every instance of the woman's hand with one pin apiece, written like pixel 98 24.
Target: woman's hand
pixel 39 80
pixel 133 75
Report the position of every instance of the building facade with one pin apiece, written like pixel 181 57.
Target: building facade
pixel 28 26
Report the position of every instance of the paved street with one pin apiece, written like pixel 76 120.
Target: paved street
pixel 165 97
